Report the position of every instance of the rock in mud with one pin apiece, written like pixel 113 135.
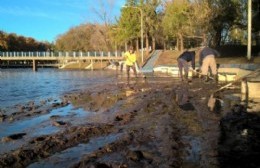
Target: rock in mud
pixel 13 137
pixel 59 123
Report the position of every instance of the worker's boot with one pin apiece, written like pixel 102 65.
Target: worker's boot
pixel 205 78
pixel 186 77
pixel 215 78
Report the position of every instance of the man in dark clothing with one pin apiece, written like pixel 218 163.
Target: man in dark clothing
pixel 183 63
pixel 206 60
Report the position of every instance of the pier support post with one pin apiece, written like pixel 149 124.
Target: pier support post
pixel 34 65
pixel 92 66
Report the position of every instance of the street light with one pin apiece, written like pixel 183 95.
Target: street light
pixel 249 29
pixel 142 36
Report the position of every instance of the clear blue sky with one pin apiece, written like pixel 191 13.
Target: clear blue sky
pixel 44 20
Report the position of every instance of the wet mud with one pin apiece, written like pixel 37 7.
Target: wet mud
pixel 145 124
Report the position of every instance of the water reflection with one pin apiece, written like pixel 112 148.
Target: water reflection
pixel 38 126
pixel 23 85
pixel 230 100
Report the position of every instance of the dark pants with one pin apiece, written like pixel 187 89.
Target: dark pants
pixel 128 71
pixel 183 64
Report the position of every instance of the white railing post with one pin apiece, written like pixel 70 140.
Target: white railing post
pixel 95 53
pixel 88 53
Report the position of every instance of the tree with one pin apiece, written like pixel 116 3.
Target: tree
pixel 199 17
pixel 3 41
pixel 129 23
pixel 103 11
pixel 225 15
pixel 76 39
pixel 176 20
pixel 151 21
pixel 256 22
pixel 86 37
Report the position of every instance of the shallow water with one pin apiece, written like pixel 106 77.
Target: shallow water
pixel 23 85
pixel 39 126
pixel 73 155
pixel 230 100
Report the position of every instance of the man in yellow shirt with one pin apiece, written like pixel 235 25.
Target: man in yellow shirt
pixel 130 60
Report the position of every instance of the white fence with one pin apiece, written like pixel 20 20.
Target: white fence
pixel 61 54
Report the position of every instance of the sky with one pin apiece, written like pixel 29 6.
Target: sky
pixel 44 20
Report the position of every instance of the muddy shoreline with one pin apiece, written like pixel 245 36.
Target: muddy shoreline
pixel 145 124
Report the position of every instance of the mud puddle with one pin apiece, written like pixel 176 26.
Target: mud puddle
pixel 71 156
pixel 193 150
pixel 14 134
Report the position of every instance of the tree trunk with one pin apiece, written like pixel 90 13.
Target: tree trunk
pixel 181 42
pixel 177 44
pixel 147 44
pixel 217 38
pixel 137 44
pixel 154 44
pixel 125 46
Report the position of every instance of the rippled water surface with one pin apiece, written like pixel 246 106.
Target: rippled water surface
pixel 24 85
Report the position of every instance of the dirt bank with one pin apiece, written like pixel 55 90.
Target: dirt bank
pixel 153 122
pixel 169 58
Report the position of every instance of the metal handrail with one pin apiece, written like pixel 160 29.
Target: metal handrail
pixel 60 54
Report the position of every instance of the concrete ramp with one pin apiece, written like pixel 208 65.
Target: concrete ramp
pixel 148 67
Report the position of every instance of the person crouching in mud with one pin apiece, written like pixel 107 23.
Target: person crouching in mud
pixel 207 60
pixel 183 63
pixel 130 60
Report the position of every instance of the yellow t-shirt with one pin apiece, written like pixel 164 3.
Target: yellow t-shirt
pixel 130 58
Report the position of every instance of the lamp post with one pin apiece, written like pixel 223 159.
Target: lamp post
pixel 249 29
pixel 142 34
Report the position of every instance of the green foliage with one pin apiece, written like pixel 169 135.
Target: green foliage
pixel 236 35
pixel 129 23
pixel 217 21
pixel 175 20
pixel 226 14
pixel 152 22
pixel 256 15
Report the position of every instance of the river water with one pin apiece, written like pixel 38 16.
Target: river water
pixel 19 86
